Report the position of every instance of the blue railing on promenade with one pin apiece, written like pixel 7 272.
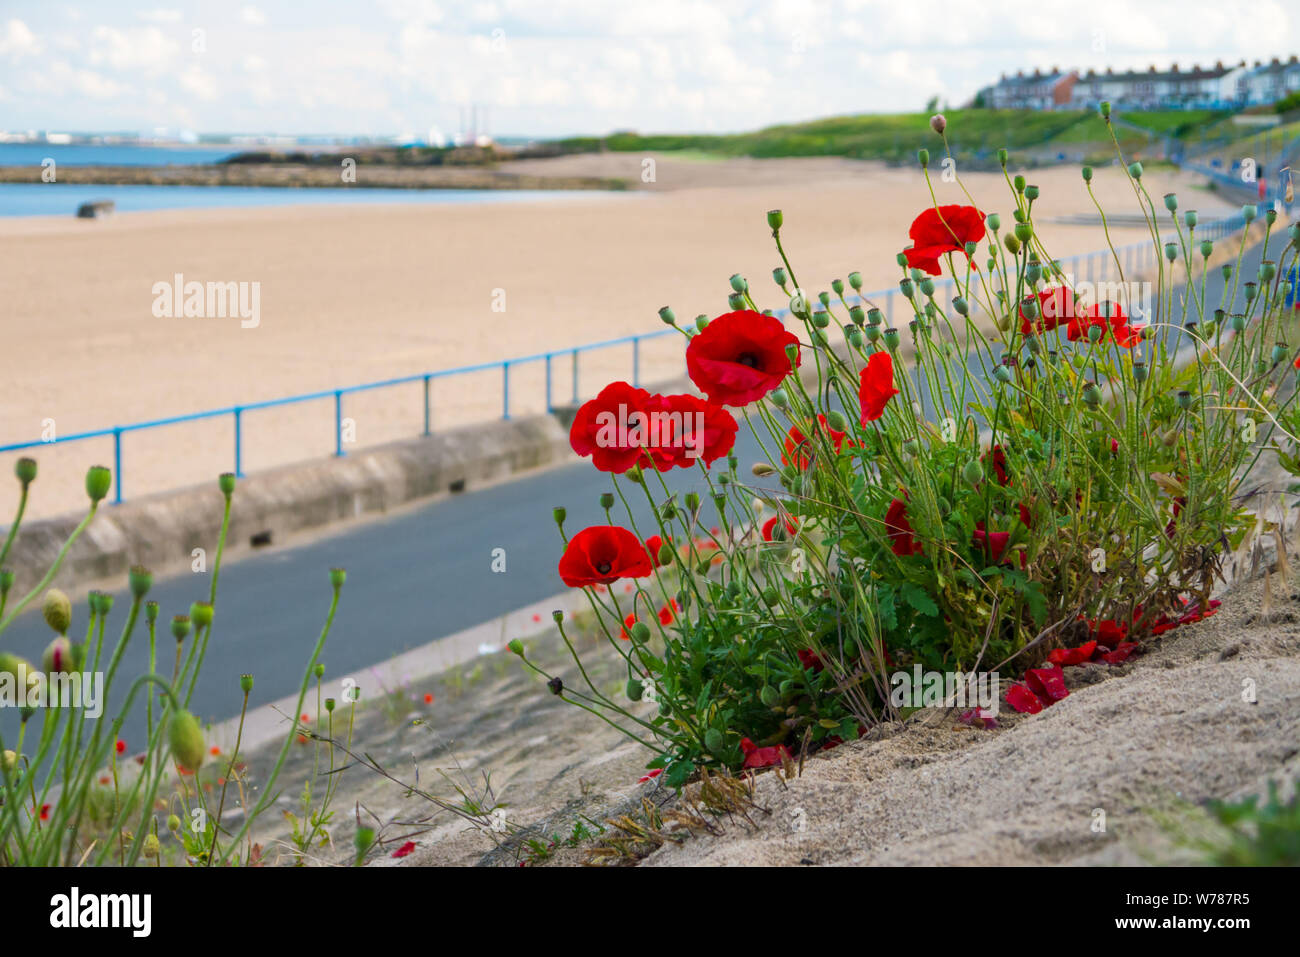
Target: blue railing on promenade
pixel 1133 258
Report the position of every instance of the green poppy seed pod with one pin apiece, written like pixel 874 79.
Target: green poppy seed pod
pixel 1091 395
pixel 692 502
pixel 1087 174
pixel 738 283
pixel 994 222
pixel 639 631
pixel 714 741
pixel 151 611
pixel 1012 244
pixel 186 741
pixel 557 616
pixel 140 579
pixel 1190 218
pixel 872 333
pixel 1002 158
pixel 821 320
pixel 775 219
pixel 1135 170
pixel 6 580
pixel 180 627
pixel 927 286
pixel 1031 192
pixel 1250 289
pixel 152 848
pixel 319 670
pixel 1270 214
pixel 329 705
pixel 855 280
pixel 558 513
pixel 779 398
pixel 1293 231
pixel 1019 183
pixel 246 684
pixel 201 614
pixel 1002 374
pixel 1094 334
pixel 98 481
pixel 1238 323
pixel 634 689
pixel 905 286
pixel 173 822
pixel 607 500
pixel 1267 270
pixel 1033 270
pixel 226 482
pixel 923 156
pixel 667 316
pixel 105 602
pixel 875 316
pixel 1139 372
pixel 1029 306
pixel 1171 202
pixel 972 473
pixel 1249 212
pixel 57 610
pixel 1207 247
pixel 1226 271
pixel 736 301
pixel 1280 352
pixel 778 276
pixel 25 469
pixel 1184 399
pixel 1171 251
pixel 1024 232
pixel 1105 109
pixel 835 419
pixel 962 307
pixel 1260 367
pixel 858 315
pixel 892 338
pixel 838 286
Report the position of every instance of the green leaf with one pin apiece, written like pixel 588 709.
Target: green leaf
pixel 919 599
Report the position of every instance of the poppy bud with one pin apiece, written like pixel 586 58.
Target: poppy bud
pixel 57 611
pixel 173 822
pixel 180 627
pixel 1012 244
pixel 1002 158
pixel 151 611
pixel 778 275
pixel 923 155
pixel 1104 106
pixel 994 222
pixel 186 740
pixel 692 502
pixel 319 670
pixel 140 579
pixel 768 695
pixel 201 614
pixel 713 740
pixel 25 469
pixel 1087 174
pixel 973 473
pixel 556 685
pixel 1135 170
pixel 58 657
pixel 98 481
pixel 103 602
pixel 775 219
pixel 226 482
pixel 792 353
pixel 151 847
pixel 634 689
pixel 1024 232
pixel 558 513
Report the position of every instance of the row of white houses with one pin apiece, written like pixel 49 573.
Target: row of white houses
pixel 1222 86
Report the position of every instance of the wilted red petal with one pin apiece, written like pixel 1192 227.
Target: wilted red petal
pixel 405 849
pixel 1073 656
pixel 1023 700
pixel 1121 653
pixel 1047 682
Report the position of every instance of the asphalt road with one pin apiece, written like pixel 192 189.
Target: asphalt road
pixel 412 578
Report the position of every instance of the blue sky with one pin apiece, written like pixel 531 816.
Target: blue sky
pixel 551 67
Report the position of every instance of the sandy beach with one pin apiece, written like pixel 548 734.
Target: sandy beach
pixel 351 294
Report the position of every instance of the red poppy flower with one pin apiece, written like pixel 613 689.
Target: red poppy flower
pixel 808 658
pixel 596 428
pixel 667 614
pixel 602 554
pixel 651 776
pixel 1172 527
pixel 1025 517
pixel 214 750
pixel 801 449
pixel 876 386
pixel 688 429
pixel 653 546
pixel 428 697
pixel 628 621
pixel 756 757
pixel 1121 652
pixel 121 747
pixel 1117 324
pixel 740 357
pixel 946 229
pixel 1073 656
pixel 900 530
pixel 405 849
pixel 769 527
pixel 45 812
pixel 999 464
pixel 1055 307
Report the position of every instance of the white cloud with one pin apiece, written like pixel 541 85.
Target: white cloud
pixel 146 50
pixel 159 16
pixel 252 16
pixel 16 40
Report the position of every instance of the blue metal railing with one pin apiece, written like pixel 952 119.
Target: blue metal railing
pixel 1133 257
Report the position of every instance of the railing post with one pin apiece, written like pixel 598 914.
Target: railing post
pixel 505 390
pixel 636 361
pixel 548 383
pixel 117 464
pixel 239 455
pixel 889 308
pixel 338 422
pixel 426 405
pixel 575 376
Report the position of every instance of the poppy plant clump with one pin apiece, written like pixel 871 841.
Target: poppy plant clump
pixel 992 481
